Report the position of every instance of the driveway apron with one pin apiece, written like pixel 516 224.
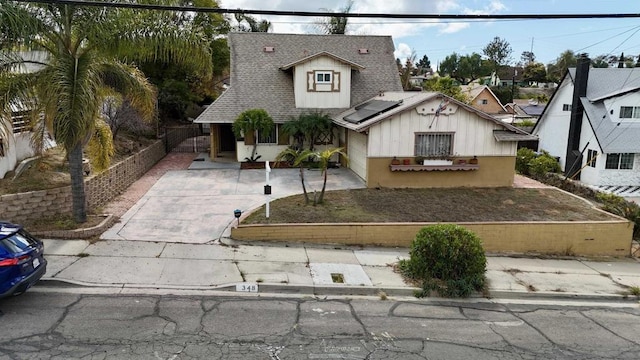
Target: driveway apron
pixel 196 206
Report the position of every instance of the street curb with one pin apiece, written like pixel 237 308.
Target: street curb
pixel 340 290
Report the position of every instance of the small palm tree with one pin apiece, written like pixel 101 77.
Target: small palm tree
pixel 253 121
pixel 297 158
pixel 324 157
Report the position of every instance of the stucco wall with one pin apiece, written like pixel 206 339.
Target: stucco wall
pixel 99 189
pixel 493 171
pixel 602 238
pixel 17 148
pixel 553 126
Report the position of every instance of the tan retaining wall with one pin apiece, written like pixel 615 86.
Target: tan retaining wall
pixel 493 171
pixel 99 189
pixel 601 238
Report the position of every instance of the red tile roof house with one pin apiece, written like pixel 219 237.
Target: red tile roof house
pixel 355 80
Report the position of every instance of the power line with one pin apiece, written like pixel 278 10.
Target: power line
pixel 328 13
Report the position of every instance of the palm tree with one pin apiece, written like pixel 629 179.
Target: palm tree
pixel 251 123
pixel 324 157
pixel 336 24
pixel 83 45
pixel 297 158
pixel 254 25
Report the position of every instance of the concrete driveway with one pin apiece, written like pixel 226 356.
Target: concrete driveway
pixel 196 206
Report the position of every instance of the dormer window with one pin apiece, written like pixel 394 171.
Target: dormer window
pixel 323 81
pixel 629 112
pixel 323 77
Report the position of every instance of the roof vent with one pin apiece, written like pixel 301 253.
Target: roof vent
pixel 269 49
pixel 363 51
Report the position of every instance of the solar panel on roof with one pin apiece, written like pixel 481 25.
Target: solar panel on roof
pixel 370 109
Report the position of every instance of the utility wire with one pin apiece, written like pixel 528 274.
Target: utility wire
pixel 129 5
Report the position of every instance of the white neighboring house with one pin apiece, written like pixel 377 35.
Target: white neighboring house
pixel 594 128
pixel 15 145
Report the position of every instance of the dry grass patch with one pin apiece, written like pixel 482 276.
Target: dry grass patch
pixel 432 205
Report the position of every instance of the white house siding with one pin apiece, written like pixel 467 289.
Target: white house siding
pixel 590 175
pixel 631 99
pixel 473 135
pixel 17 149
pixel 554 125
pixel 357 152
pixel 629 177
pixel 322 99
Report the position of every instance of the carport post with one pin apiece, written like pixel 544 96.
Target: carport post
pixel 267 188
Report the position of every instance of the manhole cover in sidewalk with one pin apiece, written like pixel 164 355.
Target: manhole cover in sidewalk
pixel 330 274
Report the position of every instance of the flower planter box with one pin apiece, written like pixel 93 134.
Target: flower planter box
pixel 437 162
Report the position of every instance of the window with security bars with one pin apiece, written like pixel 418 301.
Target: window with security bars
pixel 20 122
pixel 268 137
pixel 619 161
pixel 434 144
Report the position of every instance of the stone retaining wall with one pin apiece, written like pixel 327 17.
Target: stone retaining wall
pixel 99 189
pixel 592 238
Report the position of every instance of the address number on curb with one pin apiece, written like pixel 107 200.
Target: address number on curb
pixel 247 287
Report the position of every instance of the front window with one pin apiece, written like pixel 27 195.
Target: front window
pixel 434 144
pixel 20 122
pixel 268 137
pixel 619 161
pixel 323 77
pixel 566 107
pixel 630 112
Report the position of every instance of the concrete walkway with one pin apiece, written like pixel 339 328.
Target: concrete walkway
pixel 128 266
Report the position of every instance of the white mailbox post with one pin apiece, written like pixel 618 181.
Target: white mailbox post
pixel 267 188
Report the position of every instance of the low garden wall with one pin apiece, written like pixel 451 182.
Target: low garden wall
pixel 591 238
pixel 99 189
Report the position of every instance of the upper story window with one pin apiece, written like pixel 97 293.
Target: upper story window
pixel 630 112
pixel 566 107
pixel 323 80
pixel 619 161
pixel 323 77
pixel 20 122
pixel 592 155
pixel 484 102
pixel 434 144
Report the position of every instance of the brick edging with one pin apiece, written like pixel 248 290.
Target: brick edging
pixel 86 233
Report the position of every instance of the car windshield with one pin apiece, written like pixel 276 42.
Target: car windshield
pixel 18 242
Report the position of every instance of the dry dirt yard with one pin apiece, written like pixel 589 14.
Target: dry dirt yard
pixel 433 205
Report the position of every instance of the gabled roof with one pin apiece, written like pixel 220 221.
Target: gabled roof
pixel 257 80
pixel 409 100
pixel 320 54
pixel 602 84
pixel 474 91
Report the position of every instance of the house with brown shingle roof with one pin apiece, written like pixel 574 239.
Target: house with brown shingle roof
pixel 290 74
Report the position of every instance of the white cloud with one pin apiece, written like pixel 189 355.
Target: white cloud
pixel 495 6
pixel 454 27
pixel 402 52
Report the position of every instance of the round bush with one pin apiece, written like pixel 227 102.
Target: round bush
pixel 446 258
pixel 523 160
pixel 544 164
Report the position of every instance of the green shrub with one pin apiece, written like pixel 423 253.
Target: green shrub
pixel 523 160
pixel 619 206
pixel 543 164
pixel 448 259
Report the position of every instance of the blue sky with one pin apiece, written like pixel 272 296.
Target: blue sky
pixel 438 39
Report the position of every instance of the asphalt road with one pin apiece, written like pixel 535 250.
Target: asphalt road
pixel 52 325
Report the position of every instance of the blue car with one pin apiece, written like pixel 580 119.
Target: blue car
pixel 22 262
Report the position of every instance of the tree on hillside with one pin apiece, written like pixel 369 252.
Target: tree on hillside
pixel 600 61
pixel 337 23
pixel 407 71
pixel 424 65
pixel 252 24
pixel 499 53
pixel 447 86
pixel 527 57
pixel 556 69
pixel 535 71
pixel 464 68
pixel 82 46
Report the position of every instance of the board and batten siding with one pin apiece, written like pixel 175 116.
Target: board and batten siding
pixel 322 99
pixel 473 135
pixel 357 152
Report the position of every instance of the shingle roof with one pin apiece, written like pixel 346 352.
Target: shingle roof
pixel 258 82
pixel 604 83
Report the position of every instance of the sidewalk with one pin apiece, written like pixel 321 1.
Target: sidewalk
pixel 297 269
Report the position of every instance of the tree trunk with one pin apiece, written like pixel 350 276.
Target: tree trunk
pixel 304 188
pixel 324 185
pixel 77 184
